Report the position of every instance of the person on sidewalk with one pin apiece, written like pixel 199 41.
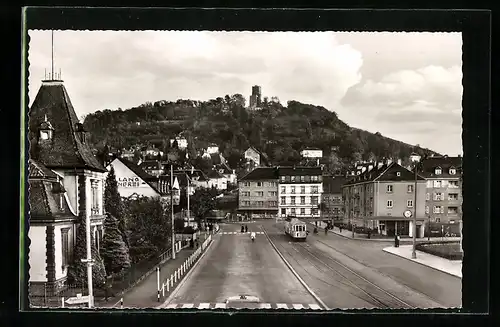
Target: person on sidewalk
pixel 396 240
pixel 191 243
pixel 340 228
pixel 369 233
pixel 246 229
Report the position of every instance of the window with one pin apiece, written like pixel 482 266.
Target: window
pixel 292 189
pixel 245 193
pixel 307 179
pixel 293 178
pixel 437 184
pixel 246 184
pixel 283 178
pixel 429 184
pixel 314 211
pixel 410 188
pixel 453 196
pixel 302 200
pixel 283 189
pixel 260 203
pixel 453 210
pixel 438 196
pixel 438 220
pixel 283 200
pixel 283 211
pixel 95 202
pixel 302 178
pixel 292 199
pixel 272 193
pixel 314 178
pixel 260 193
pixel 273 203
pixel 246 203
pixel 259 183
pixel 426 209
pixel 437 171
pixel 314 189
pixel 389 188
pixel 438 209
pixel 65 247
pixel 302 190
pixel 314 200
pixel 272 184
pixel 292 211
pixel 409 203
pixel 427 196
pixel 302 211
pixel 389 203
pixel 453 184
pixel 398 174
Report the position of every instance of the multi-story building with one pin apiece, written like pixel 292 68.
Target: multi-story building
pixel 378 197
pixel 444 190
pixel 332 206
pixel 258 193
pixel 152 167
pixel 299 192
pixel 67 186
pixel 312 153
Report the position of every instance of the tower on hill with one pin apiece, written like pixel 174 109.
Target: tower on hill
pixel 255 98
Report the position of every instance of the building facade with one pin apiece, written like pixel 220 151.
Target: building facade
pixel 59 147
pixel 182 143
pixel 258 193
pixel 217 180
pixel 444 190
pixel 378 197
pixel 312 153
pixel 299 191
pixel 332 207
pixel 251 154
pixel 152 167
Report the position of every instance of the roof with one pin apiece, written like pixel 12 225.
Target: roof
pixel 196 174
pixel 151 164
pixel 333 184
pixel 299 171
pixel 150 180
pixel 429 165
pixel 261 173
pixel 65 149
pixel 386 172
pixel 45 189
pixel 214 174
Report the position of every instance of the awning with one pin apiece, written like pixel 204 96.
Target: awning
pixel 394 218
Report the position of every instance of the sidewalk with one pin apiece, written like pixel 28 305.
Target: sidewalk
pixel 452 267
pixel 404 239
pixel 144 294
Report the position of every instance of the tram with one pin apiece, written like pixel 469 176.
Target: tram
pixel 295 229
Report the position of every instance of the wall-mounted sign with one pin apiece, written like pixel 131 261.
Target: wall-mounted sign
pixel 129 181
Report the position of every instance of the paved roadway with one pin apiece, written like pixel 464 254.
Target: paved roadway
pixel 235 265
pixel 343 273
pixel 324 260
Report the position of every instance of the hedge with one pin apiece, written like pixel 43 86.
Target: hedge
pixel 447 250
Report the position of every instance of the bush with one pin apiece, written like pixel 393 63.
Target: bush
pixel 447 250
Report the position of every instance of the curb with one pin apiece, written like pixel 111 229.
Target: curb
pixel 185 278
pixel 357 239
pixel 422 264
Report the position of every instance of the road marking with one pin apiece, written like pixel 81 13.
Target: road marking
pixel 281 306
pixel 220 305
pixel 204 306
pixel 265 306
pixel 171 306
pixel 314 307
pixel 187 305
pixel 298 306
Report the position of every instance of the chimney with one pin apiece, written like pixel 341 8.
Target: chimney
pixel 399 162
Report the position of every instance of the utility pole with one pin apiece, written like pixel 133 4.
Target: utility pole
pixel 188 193
pixel 414 247
pixel 172 208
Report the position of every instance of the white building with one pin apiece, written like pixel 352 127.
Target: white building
pixel 312 153
pixel 213 149
pixel 67 186
pixel 299 191
pixel 217 180
pixel 182 143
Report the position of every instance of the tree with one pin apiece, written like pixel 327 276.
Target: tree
pixel 113 203
pixel 114 252
pixel 202 201
pixel 149 227
pixel 179 224
pixel 77 272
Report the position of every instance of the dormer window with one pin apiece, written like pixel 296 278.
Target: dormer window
pixel 46 130
pixel 80 132
pixel 438 171
pixel 453 171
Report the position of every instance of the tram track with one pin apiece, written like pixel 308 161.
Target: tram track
pixel 363 288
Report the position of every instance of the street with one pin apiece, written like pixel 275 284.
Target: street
pixel 342 273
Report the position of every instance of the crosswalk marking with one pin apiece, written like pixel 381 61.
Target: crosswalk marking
pixel 263 306
pixel 238 233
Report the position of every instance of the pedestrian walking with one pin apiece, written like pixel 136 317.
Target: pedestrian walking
pixel 396 240
pixel 369 233
pixel 340 228
pixel 191 243
pixel 246 229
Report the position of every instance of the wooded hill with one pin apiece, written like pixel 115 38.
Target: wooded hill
pixel 279 131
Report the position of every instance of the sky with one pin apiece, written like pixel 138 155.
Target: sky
pixel 407 86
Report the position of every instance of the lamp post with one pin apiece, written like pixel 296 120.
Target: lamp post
pixel 172 208
pixel 415 158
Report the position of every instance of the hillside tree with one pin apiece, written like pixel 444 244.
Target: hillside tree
pixel 113 250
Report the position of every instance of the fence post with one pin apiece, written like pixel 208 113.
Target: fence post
pixel 171 281
pixel 121 303
pixel 163 289
pixel 158 282
pixel 175 276
pixel 62 302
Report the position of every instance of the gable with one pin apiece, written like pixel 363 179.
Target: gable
pixel 130 182
pixel 391 174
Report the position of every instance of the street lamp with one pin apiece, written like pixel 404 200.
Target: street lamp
pixel 415 158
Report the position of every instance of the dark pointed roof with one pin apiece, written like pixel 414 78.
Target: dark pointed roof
pixel 429 165
pixel 386 172
pixel 45 189
pixel 261 173
pixel 65 150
